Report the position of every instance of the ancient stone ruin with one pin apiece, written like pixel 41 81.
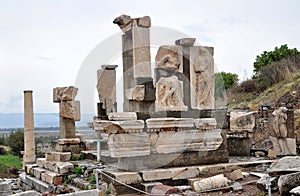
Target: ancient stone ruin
pixel 168 133
pixel 169 120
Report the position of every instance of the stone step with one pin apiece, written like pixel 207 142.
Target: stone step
pixel 57 167
pixel 47 176
pixel 105 156
pixel 32 183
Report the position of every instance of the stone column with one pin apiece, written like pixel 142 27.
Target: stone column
pixel 29 143
pixel 138 83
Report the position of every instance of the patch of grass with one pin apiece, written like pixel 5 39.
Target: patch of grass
pixel 9 161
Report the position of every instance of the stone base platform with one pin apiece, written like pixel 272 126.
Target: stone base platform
pixel 169 176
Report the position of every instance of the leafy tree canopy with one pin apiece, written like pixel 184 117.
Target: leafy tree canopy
pixel 227 79
pixel 267 58
pixel 15 141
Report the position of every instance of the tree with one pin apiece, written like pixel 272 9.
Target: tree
pixel 227 79
pixel 224 81
pixel 266 58
pixel 15 141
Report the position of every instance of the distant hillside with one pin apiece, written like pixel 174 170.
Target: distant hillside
pixel 16 120
pixel 284 92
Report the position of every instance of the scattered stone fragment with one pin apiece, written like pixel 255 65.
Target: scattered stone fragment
pixel 271 154
pixel 237 187
pixel 236 175
pixel 217 181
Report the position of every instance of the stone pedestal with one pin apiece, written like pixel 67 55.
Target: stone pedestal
pixel 29 142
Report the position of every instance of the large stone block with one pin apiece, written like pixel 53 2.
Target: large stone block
pixel 129 144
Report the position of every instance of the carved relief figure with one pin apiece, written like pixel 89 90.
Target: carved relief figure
pixel 169 94
pixel 169 61
pixel 280 129
pixel 169 57
pixel 202 78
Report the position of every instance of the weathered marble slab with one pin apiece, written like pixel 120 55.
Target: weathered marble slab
pixel 128 144
pixel 185 42
pixel 168 124
pixel 185 141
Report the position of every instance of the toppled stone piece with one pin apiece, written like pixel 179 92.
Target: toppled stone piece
pixel 287 182
pixel 236 175
pixel 58 156
pixel 217 181
pixel 285 165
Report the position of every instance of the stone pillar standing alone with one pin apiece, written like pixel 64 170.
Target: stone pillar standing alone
pixel 29 142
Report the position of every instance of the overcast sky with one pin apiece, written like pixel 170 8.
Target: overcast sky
pixel 43 44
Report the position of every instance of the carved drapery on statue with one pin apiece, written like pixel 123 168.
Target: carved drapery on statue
pixel 283 145
pixel 202 77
